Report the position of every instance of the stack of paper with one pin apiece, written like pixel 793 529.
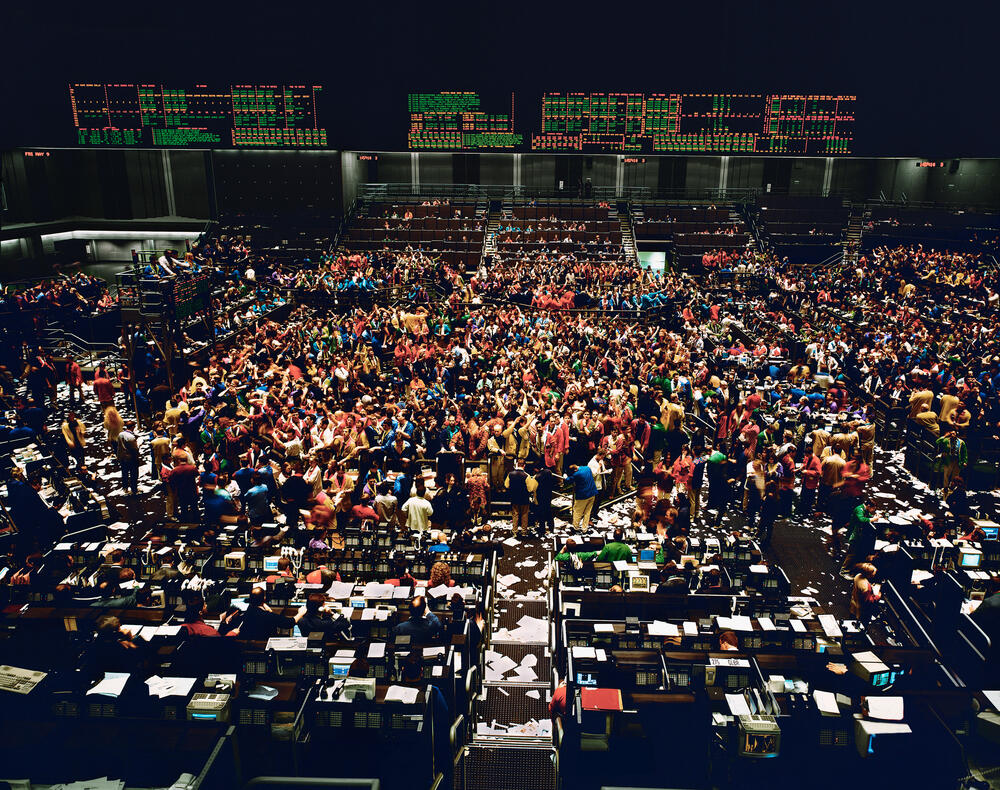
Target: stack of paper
pixel 111 686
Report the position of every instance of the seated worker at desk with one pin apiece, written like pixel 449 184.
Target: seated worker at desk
pixel 257 622
pixel 315 617
pixel 285 571
pixel 114 649
pixel 614 550
pixel 412 674
pixel 422 626
pixel 672 580
pixel 112 594
pixel 194 615
pixel 729 642
pixel 322 575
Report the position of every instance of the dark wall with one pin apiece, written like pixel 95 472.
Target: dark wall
pixel 191 173
pixel 305 182
pixel 131 184
pixel 89 183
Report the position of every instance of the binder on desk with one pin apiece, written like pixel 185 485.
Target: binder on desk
pixel 601 699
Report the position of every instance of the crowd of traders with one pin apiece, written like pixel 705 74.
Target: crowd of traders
pixel 324 420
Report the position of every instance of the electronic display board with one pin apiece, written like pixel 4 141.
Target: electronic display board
pixel 457 121
pixel 192 294
pixel 639 123
pixel 238 116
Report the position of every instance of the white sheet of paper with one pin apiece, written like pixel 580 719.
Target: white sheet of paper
pixel 526 674
pixel 885 708
pixel 886 728
pixel 503 664
pixel 826 701
pixel 661 628
pixel 401 694
pixel 341 590
pixel 738 705
pixel 994 698
pixel 742 623
pixel 766 624
pixel 111 685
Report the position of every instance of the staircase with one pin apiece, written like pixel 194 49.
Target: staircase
pixel 520 757
pixel 629 247
pixel 60 343
pixel 492 228
pixel 745 214
pixel 855 230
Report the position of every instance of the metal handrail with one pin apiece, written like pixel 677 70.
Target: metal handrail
pixel 313 781
pixel 405 190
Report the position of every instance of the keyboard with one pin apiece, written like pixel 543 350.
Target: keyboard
pixel 19 681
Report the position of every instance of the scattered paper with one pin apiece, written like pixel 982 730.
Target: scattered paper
pixel 503 664
pixel 170 687
pixel 525 674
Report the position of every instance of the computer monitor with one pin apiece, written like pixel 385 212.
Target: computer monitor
pixel 969 558
pixel 760 736
pixel 586 679
pixel 881 679
pixel 340 670
pixel 271 563
pixel 991 533
pixel 647 555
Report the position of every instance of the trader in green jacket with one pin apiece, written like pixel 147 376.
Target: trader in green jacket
pixel 614 550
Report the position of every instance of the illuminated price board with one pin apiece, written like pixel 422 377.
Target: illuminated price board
pixel 456 121
pixel 239 116
pixel 636 123
pixel 695 122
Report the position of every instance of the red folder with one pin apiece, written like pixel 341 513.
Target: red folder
pixel 601 699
